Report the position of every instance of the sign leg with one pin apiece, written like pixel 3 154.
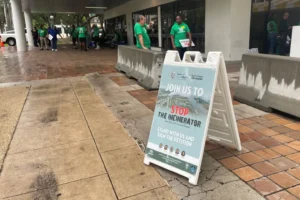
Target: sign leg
pixel 146 160
pixel 193 180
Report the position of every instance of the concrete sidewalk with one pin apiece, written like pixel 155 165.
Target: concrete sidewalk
pixel 68 145
pixel 215 180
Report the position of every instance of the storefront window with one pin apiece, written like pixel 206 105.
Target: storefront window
pixel 118 25
pixel 193 14
pixel 262 12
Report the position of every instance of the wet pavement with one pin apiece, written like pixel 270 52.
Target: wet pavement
pixel 40 65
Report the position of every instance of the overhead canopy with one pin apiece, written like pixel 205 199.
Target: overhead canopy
pixel 70 6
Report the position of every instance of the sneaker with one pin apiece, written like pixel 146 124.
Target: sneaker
pixel 52 49
pixel 55 49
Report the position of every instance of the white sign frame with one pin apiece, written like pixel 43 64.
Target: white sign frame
pixel 212 128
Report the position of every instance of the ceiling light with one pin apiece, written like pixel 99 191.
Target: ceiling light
pixel 95 7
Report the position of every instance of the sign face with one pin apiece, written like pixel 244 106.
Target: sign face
pixel 185 43
pixel 194 103
pixel 181 117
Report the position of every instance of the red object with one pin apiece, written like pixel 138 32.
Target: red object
pixel 1 42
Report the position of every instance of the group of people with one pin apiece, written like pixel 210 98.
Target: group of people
pixel 180 31
pixel 82 35
pixel 279 35
pixel 45 37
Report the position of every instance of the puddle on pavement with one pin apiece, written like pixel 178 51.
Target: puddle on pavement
pixel 49 116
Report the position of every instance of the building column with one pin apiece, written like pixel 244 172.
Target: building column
pixel 130 27
pixel 227 27
pixel 159 26
pixel 28 22
pixel 18 19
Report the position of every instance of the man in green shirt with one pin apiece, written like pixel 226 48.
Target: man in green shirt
pixel 43 37
pixel 141 34
pixel 96 38
pixel 180 31
pixel 272 29
pixel 81 31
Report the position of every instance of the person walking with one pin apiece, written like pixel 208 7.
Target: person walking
pixel 43 37
pixel 180 31
pixel 35 36
pixel 141 34
pixel 74 36
pixel 283 33
pixel 54 32
pixel 96 37
pixel 81 30
pixel 272 29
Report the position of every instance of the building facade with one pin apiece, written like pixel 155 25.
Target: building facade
pixel 230 26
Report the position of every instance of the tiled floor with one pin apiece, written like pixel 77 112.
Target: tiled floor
pixel 123 81
pixel 269 161
pixel 38 65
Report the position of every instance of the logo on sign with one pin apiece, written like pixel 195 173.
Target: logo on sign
pixel 173 75
pixel 193 169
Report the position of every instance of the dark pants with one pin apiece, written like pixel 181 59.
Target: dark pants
pixel 272 43
pixel 181 52
pixel 35 40
pixel 74 41
pixel 54 43
pixel 282 44
pixel 96 40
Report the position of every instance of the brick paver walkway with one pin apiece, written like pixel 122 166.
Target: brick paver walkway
pixel 269 161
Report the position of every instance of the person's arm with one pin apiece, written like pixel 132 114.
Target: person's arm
pixel 142 41
pixel 189 35
pixel 172 38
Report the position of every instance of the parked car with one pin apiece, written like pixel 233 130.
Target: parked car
pixel 9 37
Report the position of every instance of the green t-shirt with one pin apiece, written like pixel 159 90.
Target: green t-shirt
pixel 272 27
pixel 141 30
pixel 42 32
pixel 96 32
pixel 74 33
pixel 179 31
pixel 81 32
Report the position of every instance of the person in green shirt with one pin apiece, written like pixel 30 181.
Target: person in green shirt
pixel 81 31
pixel 141 34
pixel 180 31
pixel 96 37
pixel 74 36
pixel 272 29
pixel 43 37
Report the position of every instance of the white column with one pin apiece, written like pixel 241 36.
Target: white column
pixel 18 19
pixel 159 26
pixel 28 22
pixel 227 27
